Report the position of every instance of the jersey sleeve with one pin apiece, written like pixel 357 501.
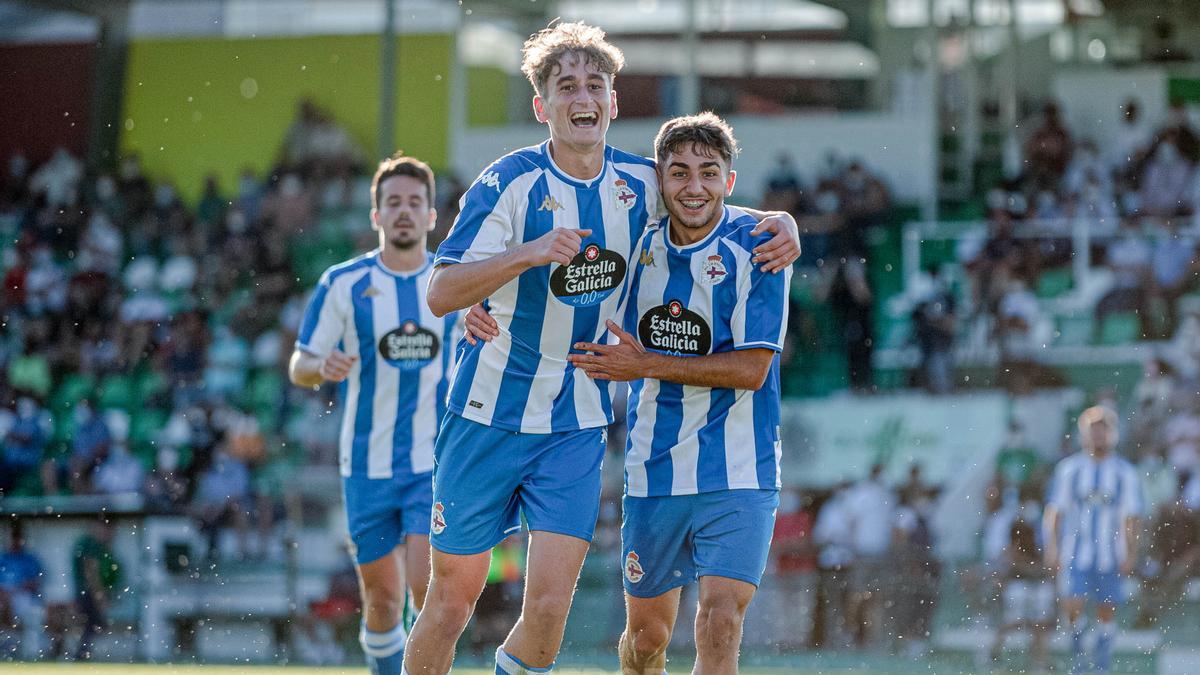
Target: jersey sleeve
pixel 760 318
pixel 324 320
pixel 484 226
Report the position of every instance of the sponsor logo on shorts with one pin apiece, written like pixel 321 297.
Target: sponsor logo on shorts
pixel 633 568
pixel 438 523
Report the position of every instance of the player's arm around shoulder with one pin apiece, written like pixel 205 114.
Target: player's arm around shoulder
pixel 316 357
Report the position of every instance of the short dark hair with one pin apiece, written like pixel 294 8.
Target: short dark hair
pixel 545 48
pixel 399 165
pixel 705 130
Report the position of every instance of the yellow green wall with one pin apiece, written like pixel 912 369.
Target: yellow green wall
pixel 195 106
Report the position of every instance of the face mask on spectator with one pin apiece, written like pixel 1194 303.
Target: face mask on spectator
pixel 164 196
pixel 106 187
pixel 26 407
pixel 827 202
pixel 236 222
pixel 290 186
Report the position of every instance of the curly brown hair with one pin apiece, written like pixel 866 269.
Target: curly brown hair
pixel 399 165
pixel 705 130
pixel 545 48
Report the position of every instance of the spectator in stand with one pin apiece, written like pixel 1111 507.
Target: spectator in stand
pixel 1127 148
pixel 1027 590
pixel 864 203
pixel 97 574
pixel 1167 180
pixel 120 472
pixel 21 591
pixel 1172 557
pixel 223 497
pixel 1048 151
pixel 1173 262
pixel 835 562
pixel 1179 125
pixel 795 562
pixel 89 447
pixel 783 186
pixel 23 445
pixel 1182 433
pixel 1017 320
pixel 871 508
pixel 849 293
pixel 57 181
pixel 1129 258
pixel 933 321
pixel 914 593
pixel 211 208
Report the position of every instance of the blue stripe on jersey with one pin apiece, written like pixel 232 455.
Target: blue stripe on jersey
pixel 364 324
pixel 766 426
pixel 725 300
pixel 479 201
pixel 443 385
pixel 711 473
pixel 1075 498
pixel 529 315
pixel 762 318
pixel 669 416
pixel 408 392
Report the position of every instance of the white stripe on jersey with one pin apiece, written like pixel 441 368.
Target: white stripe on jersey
pixel 1093 500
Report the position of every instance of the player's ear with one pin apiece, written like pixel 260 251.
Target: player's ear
pixel 539 109
pixel 729 182
pixel 432 219
pixel 612 108
pixel 374 219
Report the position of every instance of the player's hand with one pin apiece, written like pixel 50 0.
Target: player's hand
pixel 559 245
pixel 784 248
pixel 621 362
pixel 336 367
pixel 479 325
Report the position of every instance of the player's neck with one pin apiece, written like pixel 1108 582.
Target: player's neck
pixel 402 260
pixel 581 163
pixel 686 236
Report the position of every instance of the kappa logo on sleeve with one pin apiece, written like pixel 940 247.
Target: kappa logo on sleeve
pixel 633 568
pixel 491 179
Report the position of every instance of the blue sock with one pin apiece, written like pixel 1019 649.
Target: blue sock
pixel 507 664
pixel 1105 630
pixel 1078 628
pixel 385 651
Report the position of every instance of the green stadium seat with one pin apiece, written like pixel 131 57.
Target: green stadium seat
pixel 1054 282
pixel 1120 329
pixel 1073 331
pixel 117 391
pixel 73 389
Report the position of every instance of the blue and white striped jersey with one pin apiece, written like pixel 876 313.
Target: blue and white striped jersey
pixel 1093 499
pixel 395 396
pixel 521 380
pixel 690 301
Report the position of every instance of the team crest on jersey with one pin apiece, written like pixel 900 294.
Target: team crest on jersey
pixel 626 197
pixel 675 329
pixel 491 179
pixel 437 524
pixel 591 277
pixel 633 568
pixel 712 270
pixel 550 204
pixel 646 259
pixel 371 292
pixel 410 346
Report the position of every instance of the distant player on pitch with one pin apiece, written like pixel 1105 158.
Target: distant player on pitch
pixel 1091 525
pixel 703 328
pixel 545 237
pixel 368 327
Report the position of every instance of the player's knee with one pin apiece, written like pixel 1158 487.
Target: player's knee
pixel 719 623
pixel 648 640
pixel 384 601
pixel 546 608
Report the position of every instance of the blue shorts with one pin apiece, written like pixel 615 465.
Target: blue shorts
pixel 1101 587
pixel 485 479
pixel 667 542
pixel 380 512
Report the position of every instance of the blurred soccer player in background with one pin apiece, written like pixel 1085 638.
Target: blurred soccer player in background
pixel 369 328
pixel 1091 523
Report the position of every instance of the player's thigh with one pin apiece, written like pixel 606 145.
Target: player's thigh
pixel 372 517
pixel 560 484
pixel 733 530
pixel 475 482
pixel 656 545
pixel 552 569
pixel 457 578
